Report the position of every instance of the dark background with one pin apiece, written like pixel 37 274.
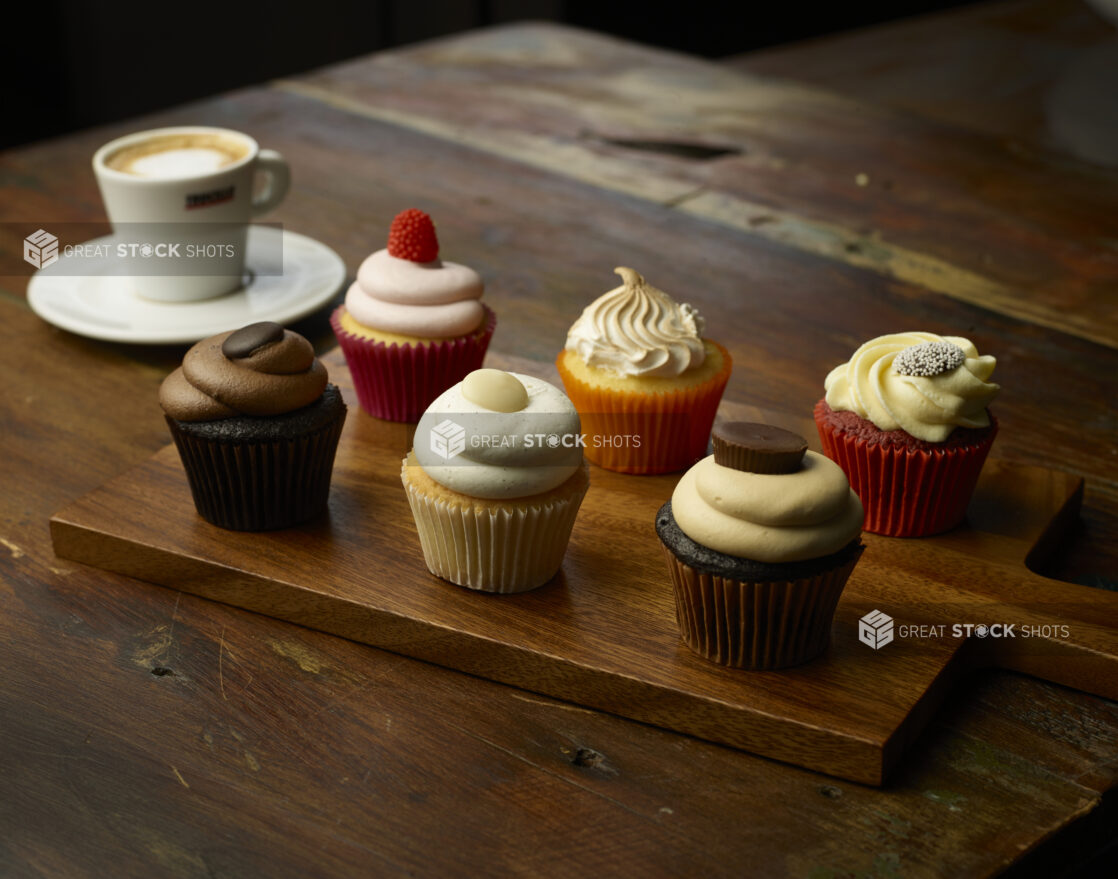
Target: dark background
pixel 71 64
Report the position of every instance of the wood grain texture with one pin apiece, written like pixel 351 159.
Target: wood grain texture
pixel 603 632
pixel 269 748
pixel 986 67
pixel 924 204
pixel 264 748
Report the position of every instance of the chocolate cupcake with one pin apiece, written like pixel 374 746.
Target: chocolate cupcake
pixel 257 424
pixel 760 539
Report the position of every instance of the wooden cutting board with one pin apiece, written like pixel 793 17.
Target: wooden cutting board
pixel 603 632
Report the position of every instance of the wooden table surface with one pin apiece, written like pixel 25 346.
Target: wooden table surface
pixel 1000 68
pixel 148 732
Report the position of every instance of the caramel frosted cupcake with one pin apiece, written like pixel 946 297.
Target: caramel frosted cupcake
pixel 412 324
pixel 257 424
pixel 760 539
pixel 495 480
pixel 644 380
pixel 906 418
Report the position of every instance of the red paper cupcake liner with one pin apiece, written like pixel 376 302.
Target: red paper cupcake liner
pixel 647 433
pixel 906 492
pixel 756 625
pixel 398 382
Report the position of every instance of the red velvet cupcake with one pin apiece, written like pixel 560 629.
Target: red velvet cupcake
pixel 907 420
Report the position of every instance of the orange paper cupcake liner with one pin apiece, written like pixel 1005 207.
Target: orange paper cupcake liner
pixel 646 433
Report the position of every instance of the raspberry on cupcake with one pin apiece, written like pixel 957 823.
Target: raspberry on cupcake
pixel 412 237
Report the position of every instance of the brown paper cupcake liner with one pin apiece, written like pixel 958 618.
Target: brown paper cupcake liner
pixel 398 382
pixel 671 429
pixel 259 486
pixel 756 625
pixel 906 492
pixel 499 547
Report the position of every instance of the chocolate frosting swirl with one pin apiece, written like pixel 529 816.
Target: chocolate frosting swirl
pixel 261 369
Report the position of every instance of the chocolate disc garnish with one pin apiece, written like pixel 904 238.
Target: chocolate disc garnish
pixel 247 339
pixel 758 448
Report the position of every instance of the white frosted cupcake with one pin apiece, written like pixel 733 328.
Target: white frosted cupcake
pixel 495 480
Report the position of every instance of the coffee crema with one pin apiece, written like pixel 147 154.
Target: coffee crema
pixel 178 155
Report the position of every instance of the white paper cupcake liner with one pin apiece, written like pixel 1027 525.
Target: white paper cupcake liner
pixel 495 546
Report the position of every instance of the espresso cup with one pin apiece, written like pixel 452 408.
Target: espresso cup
pixel 180 201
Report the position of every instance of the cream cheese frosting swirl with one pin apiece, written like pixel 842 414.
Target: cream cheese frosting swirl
pixel 928 407
pixel 638 330
pixel 261 369
pixel 768 517
pixel 471 448
pixel 431 300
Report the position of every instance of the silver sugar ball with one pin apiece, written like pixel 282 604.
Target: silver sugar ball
pixel 928 359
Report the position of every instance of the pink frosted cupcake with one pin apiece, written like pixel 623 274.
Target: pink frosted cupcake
pixel 412 325
pixel 906 418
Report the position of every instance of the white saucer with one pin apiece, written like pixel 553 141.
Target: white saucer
pixel 99 307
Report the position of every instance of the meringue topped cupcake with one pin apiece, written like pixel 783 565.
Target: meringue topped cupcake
pixel 412 324
pixel 495 480
pixel 644 380
pixel 907 419
pixel 760 538
pixel 256 423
